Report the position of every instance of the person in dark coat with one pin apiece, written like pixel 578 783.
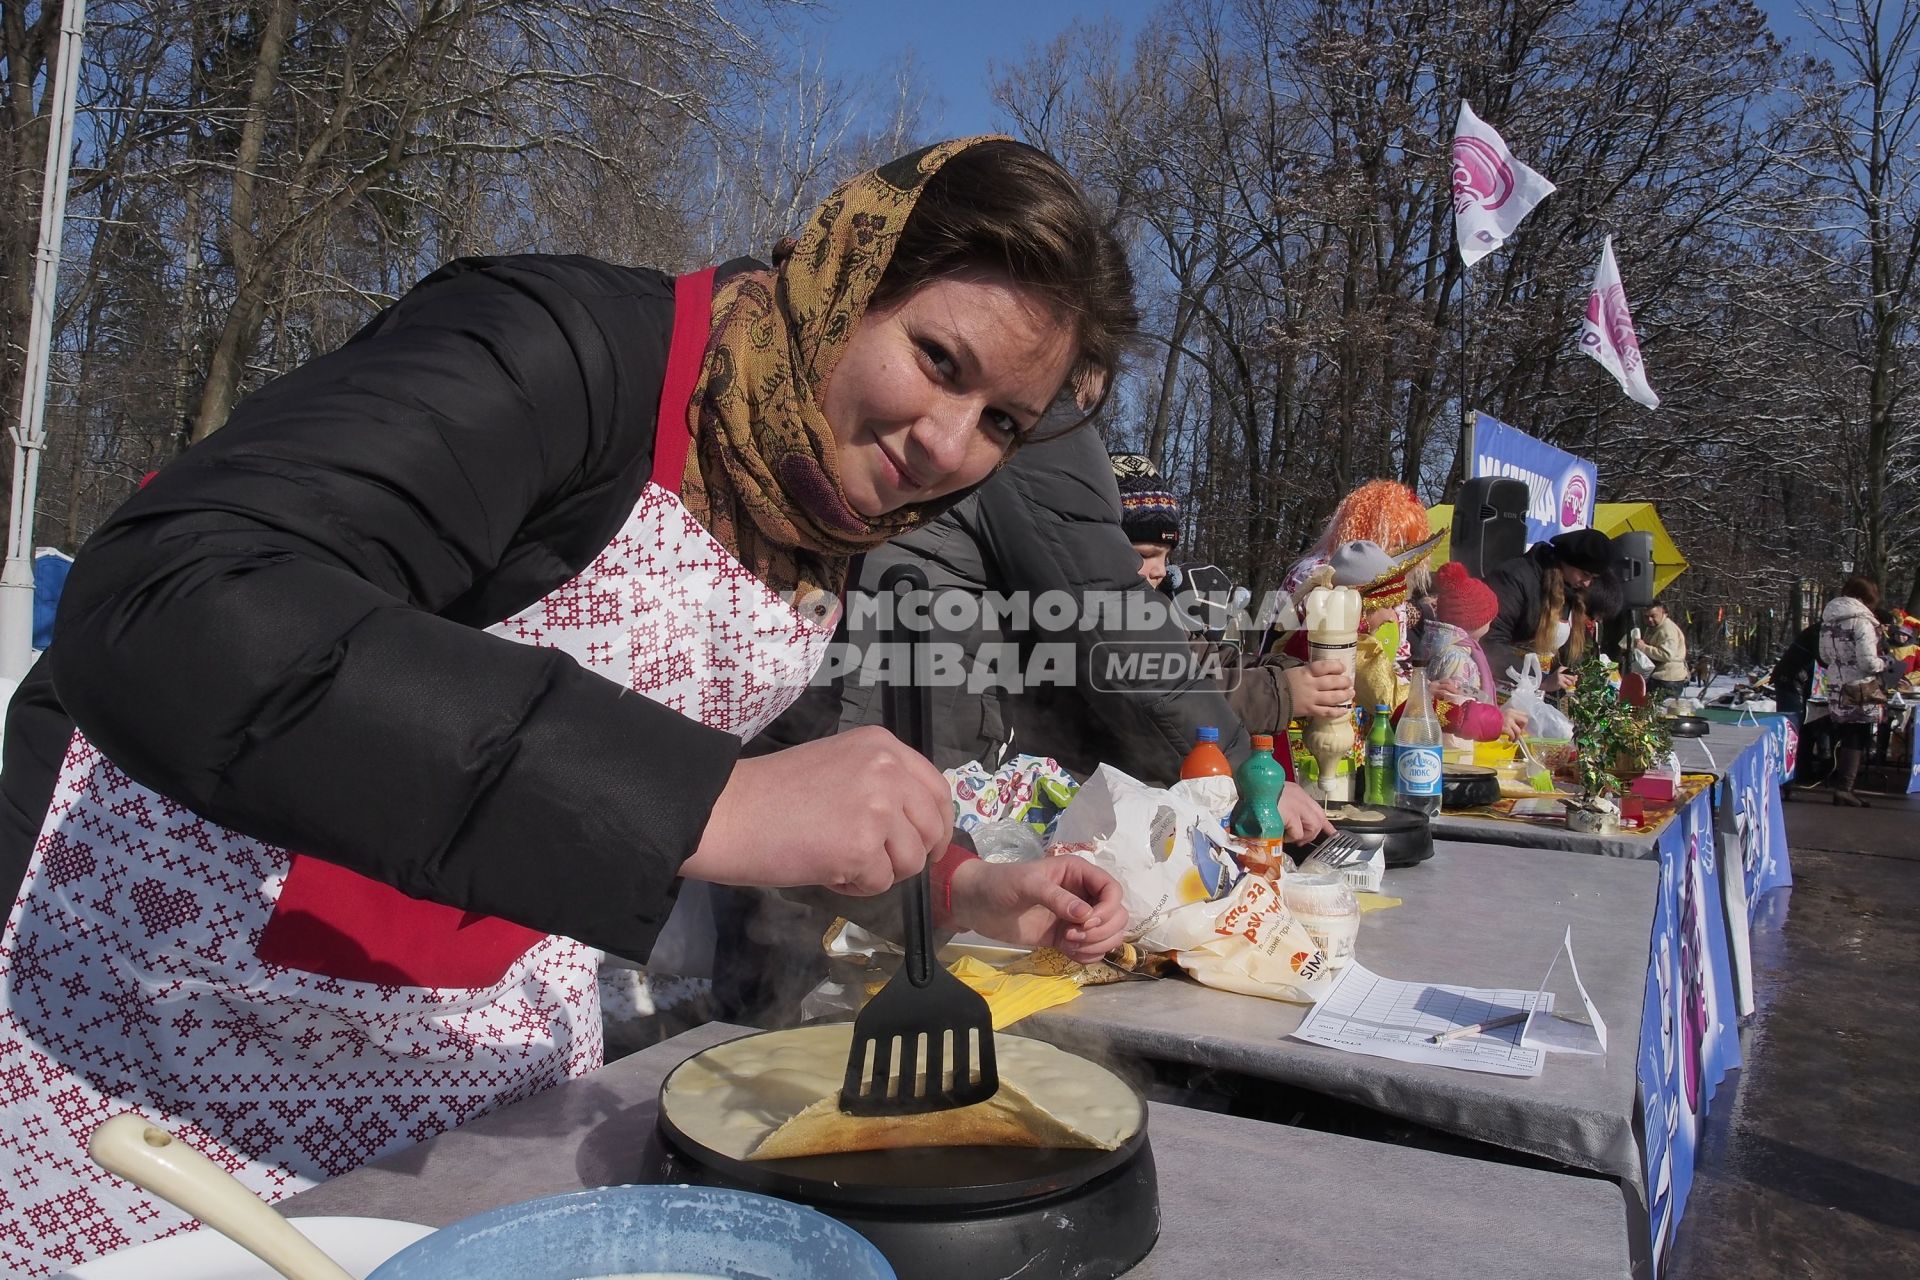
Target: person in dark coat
pixel 1536 594
pixel 1792 678
pixel 378 714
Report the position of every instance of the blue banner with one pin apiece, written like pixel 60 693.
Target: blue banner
pixel 1560 486
pixel 1689 1025
pixel 1753 785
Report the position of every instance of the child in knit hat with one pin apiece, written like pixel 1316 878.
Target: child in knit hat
pixel 1149 513
pixel 1457 670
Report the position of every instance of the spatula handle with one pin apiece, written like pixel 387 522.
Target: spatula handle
pixel 908 707
pixel 917 906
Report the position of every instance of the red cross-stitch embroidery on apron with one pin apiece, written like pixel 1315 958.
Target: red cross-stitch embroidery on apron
pixel 129 968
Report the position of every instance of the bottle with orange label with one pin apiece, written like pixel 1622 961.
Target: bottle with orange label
pixel 1256 818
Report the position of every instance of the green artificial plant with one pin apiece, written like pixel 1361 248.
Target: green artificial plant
pixel 1607 729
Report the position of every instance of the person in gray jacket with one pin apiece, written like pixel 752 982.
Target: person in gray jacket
pixel 1060 645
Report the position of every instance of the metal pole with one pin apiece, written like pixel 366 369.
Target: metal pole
pixel 29 434
pixel 1466 404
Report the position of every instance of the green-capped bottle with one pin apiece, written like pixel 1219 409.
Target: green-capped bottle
pixel 1260 780
pixel 1380 783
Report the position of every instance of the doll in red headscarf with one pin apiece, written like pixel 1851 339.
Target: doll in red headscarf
pixel 1457 670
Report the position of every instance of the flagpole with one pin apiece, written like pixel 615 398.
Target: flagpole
pixel 1466 404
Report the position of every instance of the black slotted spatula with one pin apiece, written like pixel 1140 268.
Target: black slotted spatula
pixel 925 1042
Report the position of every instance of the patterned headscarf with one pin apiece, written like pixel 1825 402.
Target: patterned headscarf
pixel 763 476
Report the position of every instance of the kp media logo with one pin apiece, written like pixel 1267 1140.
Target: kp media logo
pixel 1576 499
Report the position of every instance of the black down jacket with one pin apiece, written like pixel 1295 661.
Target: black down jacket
pixel 1518 585
pixel 1128 690
pixel 283 630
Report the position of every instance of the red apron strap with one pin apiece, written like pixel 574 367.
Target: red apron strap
pixel 692 321
pixel 340 924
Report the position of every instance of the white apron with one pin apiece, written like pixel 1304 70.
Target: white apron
pixel 131 967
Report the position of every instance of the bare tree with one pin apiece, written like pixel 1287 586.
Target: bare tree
pixel 1868 118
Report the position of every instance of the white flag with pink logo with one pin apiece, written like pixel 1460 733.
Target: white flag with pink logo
pixel 1491 190
pixel 1607 332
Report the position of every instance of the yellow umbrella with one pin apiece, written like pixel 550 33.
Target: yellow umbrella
pixel 1610 518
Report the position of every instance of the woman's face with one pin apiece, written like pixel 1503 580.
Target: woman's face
pixel 932 390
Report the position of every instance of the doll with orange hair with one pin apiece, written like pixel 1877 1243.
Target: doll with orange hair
pixel 1377 540
pixel 1383 512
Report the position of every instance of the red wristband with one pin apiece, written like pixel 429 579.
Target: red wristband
pixel 943 868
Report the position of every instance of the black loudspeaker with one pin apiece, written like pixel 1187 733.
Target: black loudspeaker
pixel 1489 523
pixel 1635 567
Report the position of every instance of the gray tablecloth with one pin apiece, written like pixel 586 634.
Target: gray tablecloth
pixel 1713 754
pixel 1478 915
pixel 1237 1197
pixel 1629 845
pixel 1716 752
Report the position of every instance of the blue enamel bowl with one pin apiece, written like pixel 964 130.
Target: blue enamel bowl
pixel 704 1231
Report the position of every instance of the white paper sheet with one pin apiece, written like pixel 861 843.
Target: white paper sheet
pixel 1365 1013
pixel 1549 1031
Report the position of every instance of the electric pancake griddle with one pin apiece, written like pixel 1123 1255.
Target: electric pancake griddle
pixel 1402 835
pixel 956 1213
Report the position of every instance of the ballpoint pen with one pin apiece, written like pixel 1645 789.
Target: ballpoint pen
pixel 1492 1024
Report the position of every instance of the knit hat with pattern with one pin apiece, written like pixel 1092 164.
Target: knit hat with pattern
pixel 1148 510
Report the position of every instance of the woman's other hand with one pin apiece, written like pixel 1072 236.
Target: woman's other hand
pixel 1323 688
pixel 1304 817
pixel 1064 902
pixel 855 813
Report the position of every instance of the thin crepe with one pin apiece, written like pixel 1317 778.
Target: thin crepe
pixel 777 1095
pixel 1008 1119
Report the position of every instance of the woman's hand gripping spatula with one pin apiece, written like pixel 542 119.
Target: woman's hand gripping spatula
pixel 925 1042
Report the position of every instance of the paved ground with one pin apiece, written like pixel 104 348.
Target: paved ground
pixel 1814 1170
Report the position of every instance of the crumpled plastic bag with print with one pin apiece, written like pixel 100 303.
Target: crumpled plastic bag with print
pixel 1166 848
pixel 1250 943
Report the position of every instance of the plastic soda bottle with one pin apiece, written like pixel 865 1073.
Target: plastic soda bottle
pixel 1260 781
pixel 1381 784
pixel 1416 751
pixel 1207 760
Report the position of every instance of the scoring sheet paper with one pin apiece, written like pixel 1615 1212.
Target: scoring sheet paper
pixel 1366 1013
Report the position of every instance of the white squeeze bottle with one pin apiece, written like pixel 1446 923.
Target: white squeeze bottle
pixel 1416 755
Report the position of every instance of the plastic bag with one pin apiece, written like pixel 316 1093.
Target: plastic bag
pixel 1033 790
pixel 1249 943
pixel 1544 720
pixel 1007 840
pixel 1183 889
pixel 1637 660
pixel 1166 848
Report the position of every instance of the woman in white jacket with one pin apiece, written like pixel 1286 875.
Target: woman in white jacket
pixel 1850 651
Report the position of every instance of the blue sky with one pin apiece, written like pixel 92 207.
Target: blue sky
pixel 954 43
